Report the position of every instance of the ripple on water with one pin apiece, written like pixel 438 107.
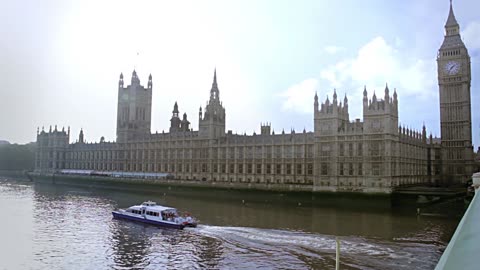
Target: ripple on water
pixel 74 227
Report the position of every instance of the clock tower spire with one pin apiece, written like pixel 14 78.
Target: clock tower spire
pixel 454 76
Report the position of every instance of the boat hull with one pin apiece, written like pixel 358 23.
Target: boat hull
pixel 147 221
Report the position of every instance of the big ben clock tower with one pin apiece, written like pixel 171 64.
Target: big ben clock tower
pixel 454 76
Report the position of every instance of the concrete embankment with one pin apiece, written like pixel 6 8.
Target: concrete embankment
pixel 104 180
pixel 18 174
pixel 244 193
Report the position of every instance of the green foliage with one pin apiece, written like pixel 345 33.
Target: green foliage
pixel 17 156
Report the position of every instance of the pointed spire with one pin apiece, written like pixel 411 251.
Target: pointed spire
pixel 215 76
pixel 80 137
pixel 214 93
pixel 345 100
pixel 334 94
pixel 365 91
pixel 150 83
pixel 135 78
pixel 175 108
pixel 451 21
pixel 120 81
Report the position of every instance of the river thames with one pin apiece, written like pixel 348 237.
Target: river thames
pixel 47 226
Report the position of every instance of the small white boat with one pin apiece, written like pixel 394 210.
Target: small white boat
pixel 151 213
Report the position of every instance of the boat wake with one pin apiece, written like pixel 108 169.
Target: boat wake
pixel 268 248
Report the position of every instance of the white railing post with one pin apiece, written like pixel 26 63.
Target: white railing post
pixel 337 257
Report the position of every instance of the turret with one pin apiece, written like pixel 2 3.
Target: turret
pixel 150 83
pixel 135 79
pixel 80 137
pixel 175 121
pixel 387 94
pixel 365 98
pixel 345 102
pixel 185 124
pixel 120 81
pixel 265 128
pixel 315 103
pixel 395 101
pixel 134 109
pixel 424 134
pixel 175 109
pixel 212 124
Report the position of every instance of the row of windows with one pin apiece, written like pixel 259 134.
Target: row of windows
pixel 231 153
pixel 451 53
pixel 376 169
pixel 151 213
pixel 375 148
pixel 195 168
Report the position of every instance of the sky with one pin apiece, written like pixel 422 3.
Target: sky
pixel 61 60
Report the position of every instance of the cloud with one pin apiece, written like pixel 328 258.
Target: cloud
pixel 333 49
pixel 375 64
pixel 471 36
pixel 299 97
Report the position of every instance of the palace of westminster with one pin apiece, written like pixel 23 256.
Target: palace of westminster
pixel 375 155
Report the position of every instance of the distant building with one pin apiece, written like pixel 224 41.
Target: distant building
pixel 341 154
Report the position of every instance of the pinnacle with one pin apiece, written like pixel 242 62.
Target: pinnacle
pixel 451 21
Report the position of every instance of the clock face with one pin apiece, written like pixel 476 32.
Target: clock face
pixel 452 67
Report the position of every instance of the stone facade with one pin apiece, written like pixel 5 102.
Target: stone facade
pixel 454 76
pixel 340 154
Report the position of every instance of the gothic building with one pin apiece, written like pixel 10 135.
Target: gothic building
pixel 340 154
pixel 454 76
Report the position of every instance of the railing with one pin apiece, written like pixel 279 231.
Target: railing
pixel 464 248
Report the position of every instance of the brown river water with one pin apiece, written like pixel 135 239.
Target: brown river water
pixel 48 226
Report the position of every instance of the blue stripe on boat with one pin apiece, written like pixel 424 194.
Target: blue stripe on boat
pixel 144 220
